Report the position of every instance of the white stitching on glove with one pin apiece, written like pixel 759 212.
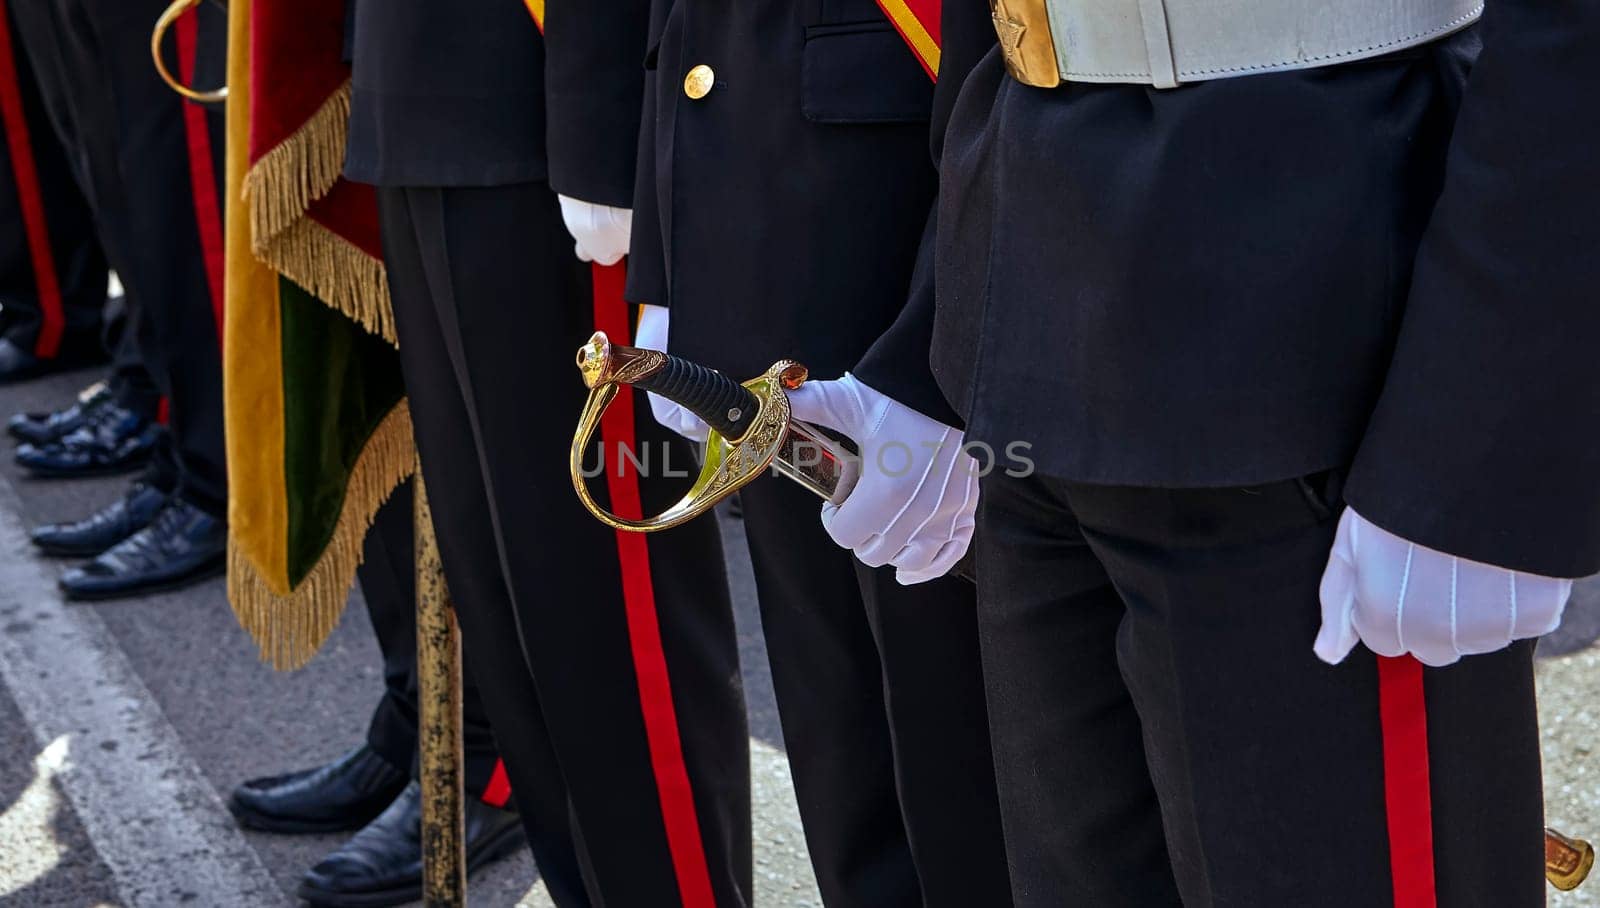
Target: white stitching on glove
pixel 1398 597
pixel 652 335
pixel 600 231
pixel 914 506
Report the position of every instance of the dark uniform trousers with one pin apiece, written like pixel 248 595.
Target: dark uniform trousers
pixel 1164 735
pixel 881 701
pixel 39 183
pixel 389 585
pixel 132 152
pixel 613 678
pixel 35 24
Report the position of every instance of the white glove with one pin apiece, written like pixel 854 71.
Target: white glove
pixel 915 502
pixel 601 231
pixel 1398 597
pixel 652 335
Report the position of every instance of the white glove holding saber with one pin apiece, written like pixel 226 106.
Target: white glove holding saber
pixel 916 502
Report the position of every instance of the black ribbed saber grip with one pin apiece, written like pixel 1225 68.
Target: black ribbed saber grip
pixel 725 405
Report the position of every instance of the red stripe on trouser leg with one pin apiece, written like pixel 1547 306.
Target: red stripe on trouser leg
pixel 26 176
pixel 202 169
pixel 644 629
pixel 498 791
pixel 1407 797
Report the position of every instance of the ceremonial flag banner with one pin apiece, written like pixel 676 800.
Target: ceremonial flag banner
pixel 318 429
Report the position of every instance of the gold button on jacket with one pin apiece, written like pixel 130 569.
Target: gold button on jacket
pixel 697 84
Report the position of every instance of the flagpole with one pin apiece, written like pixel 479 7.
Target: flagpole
pixel 444 858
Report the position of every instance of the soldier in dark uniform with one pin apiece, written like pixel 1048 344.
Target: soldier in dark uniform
pixel 141 156
pixel 370 788
pixel 609 661
pixel 52 272
pixel 1297 279
pixel 118 415
pixel 785 183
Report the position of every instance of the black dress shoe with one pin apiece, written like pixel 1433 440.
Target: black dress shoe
pixel 114 440
pixel 76 350
pixel 17 363
pixel 182 545
pixel 382 864
pixel 44 428
pixel 345 794
pixel 94 534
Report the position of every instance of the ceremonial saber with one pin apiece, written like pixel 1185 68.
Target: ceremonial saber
pixel 752 429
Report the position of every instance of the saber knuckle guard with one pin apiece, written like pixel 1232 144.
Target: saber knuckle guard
pixel 740 447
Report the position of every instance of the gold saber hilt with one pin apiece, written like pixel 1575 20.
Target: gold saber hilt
pixel 1567 861
pixel 730 463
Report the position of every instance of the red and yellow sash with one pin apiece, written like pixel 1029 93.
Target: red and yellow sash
pixel 918 23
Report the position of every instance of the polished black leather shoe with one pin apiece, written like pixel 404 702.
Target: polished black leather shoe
pixel 382 864
pixel 114 440
pixel 182 545
pixel 16 363
pixel 44 428
pixel 94 534
pixel 345 794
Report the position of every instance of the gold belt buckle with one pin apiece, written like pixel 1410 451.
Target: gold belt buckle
pixel 1030 51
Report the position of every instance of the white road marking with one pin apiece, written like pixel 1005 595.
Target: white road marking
pixel 28 825
pixel 150 813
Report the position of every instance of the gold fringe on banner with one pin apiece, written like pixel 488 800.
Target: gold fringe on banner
pixel 288 630
pixel 299 170
pixel 335 271
pixel 280 187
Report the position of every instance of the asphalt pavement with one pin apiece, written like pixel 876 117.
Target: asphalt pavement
pixel 123 725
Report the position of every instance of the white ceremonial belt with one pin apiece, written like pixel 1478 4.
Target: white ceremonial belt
pixel 1169 42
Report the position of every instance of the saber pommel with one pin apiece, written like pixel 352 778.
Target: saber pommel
pixel 604 363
